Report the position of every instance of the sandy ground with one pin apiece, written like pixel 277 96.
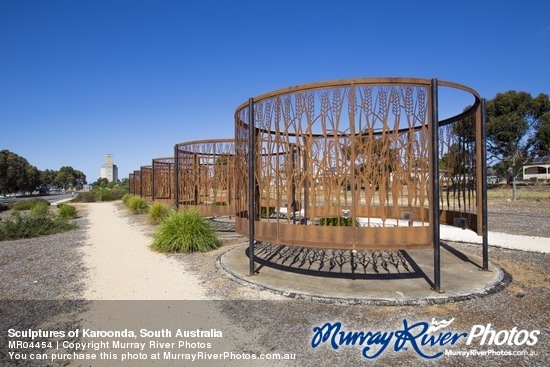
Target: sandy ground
pixel 123 268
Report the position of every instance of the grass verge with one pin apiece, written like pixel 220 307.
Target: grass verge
pixel 19 225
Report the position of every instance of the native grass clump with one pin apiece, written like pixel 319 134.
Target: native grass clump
pixel 66 211
pixel 185 231
pixel 158 213
pixel 126 199
pixel 28 204
pixel 35 221
pixel 137 205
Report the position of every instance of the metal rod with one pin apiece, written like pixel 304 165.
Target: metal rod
pixel 484 216
pixel 251 184
pixel 435 184
pixel 153 180
pixel 293 188
pixel 141 181
pixel 176 174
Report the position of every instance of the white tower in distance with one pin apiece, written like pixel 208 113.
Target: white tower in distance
pixel 109 170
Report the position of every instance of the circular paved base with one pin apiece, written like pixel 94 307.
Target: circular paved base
pixel 366 277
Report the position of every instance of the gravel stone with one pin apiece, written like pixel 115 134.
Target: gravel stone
pixel 41 283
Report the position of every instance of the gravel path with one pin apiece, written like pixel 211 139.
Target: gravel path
pixel 43 282
pixel 123 268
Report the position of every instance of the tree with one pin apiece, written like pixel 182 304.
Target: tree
pixel 101 182
pixel 47 177
pixel 16 174
pixel 514 122
pixel 543 135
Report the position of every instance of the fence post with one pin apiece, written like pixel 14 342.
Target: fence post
pixel 434 149
pixel 251 184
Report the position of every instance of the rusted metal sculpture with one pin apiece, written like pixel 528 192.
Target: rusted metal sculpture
pixel 146 180
pixel 204 172
pixel 132 184
pixel 163 180
pixel 137 183
pixel 358 164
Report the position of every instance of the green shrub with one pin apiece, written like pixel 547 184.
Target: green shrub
pixel 137 205
pixel 158 212
pixel 40 208
pixel 28 204
pixel 105 195
pixel 31 225
pixel 66 211
pixel 185 232
pixel 99 195
pixel 336 221
pixel 267 212
pixel 86 197
pixel 118 194
pixel 126 199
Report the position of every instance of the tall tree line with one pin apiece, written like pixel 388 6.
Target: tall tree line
pixel 18 175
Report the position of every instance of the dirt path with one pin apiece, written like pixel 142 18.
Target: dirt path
pixel 139 290
pixel 123 268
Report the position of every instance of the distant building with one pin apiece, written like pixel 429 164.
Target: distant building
pixel 538 168
pixel 109 170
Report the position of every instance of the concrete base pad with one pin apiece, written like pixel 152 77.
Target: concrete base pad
pixel 367 277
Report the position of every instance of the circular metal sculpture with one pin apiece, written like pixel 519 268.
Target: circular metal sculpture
pixel 132 183
pixel 358 164
pixel 146 181
pixel 163 180
pixel 204 176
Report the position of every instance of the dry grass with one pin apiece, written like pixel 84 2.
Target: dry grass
pixel 537 193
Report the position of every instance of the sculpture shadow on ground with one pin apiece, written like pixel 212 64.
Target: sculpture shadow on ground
pixel 345 264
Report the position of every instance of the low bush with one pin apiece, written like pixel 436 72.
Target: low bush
pixel 40 208
pixel 100 195
pixel 105 195
pixel 4 207
pixel 28 204
pixel 66 211
pixel 115 194
pixel 336 222
pixel 137 205
pixel 126 199
pixel 185 232
pixel 86 197
pixel 32 225
pixel 158 212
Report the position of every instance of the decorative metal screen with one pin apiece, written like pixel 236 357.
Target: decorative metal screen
pixel 163 180
pixel 132 184
pixel 347 164
pixel 146 182
pixel 205 172
pixel 137 183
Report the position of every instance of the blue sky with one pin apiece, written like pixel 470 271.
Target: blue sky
pixel 82 78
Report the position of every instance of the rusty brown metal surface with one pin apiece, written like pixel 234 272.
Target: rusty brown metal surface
pixel 163 180
pixel 355 153
pixel 137 182
pixel 131 184
pixel 146 179
pixel 205 175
